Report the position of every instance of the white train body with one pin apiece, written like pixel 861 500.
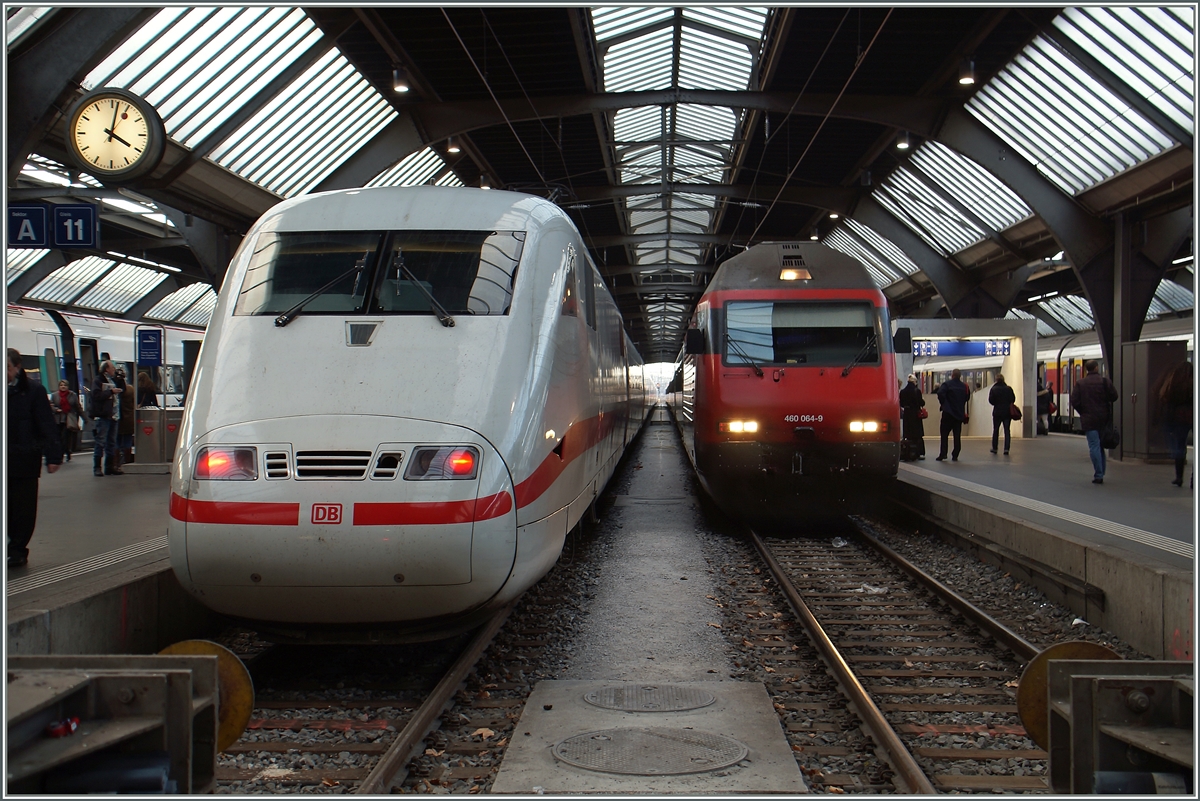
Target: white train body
pixel 339 410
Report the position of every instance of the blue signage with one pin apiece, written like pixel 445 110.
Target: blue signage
pixel 150 347
pixel 74 226
pixel 27 226
pixel 934 347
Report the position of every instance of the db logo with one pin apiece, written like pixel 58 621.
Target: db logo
pixel 330 513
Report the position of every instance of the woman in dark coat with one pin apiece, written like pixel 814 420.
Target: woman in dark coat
pixel 911 402
pixel 1002 399
pixel 32 435
pixel 1172 395
pixel 68 414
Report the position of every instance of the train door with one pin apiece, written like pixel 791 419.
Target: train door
pixel 46 369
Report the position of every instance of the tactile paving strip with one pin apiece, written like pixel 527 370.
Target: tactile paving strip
pixel 650 698
pixel 650 752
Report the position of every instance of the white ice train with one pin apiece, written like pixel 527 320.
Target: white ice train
pixel 406 398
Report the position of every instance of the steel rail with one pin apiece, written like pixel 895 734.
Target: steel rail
pixel 908 773
pixel 1002 634
pixel 380 779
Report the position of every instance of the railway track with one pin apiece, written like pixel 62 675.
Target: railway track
pixel 930 679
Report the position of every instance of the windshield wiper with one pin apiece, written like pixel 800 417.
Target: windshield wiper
pixel 866 348
pixel 293 312
pixel 738 350
pixel 443 316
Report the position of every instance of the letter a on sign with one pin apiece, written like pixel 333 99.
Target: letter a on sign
pixel 26 231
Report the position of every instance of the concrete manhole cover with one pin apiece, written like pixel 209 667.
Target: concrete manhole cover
pixel 650 752
pixel 649 698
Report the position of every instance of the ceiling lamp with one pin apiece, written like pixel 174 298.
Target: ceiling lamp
pixel 833 215
pixel 400 82
pixel 902 141
pixel 966 72
pixel 452 146
pixel 484 183
pixel 815 235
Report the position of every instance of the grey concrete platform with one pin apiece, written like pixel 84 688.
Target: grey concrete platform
pixel 557 710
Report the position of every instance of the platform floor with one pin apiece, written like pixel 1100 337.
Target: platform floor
pixel 88 524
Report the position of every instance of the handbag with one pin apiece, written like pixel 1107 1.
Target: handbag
pixel 1053 407
pixel 923 413
pixel 1110 437
pixel 1014 411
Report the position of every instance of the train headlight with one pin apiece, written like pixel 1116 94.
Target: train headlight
pixel 867 426
pixel 223 463
pixel 446 462
pixel 738 427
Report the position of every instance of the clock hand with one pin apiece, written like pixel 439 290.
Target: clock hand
pixel 113 127
pixel 112 136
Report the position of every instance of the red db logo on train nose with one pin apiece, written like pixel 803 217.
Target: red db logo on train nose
pixel 329 513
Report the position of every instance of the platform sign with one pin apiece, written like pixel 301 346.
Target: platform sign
pixel 74 226
pixel 933 347
pixel 150 347
pixel 27 226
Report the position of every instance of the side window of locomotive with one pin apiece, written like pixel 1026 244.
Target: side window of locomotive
pixel 286 268
pixel 592 283
pixel 571 294
pixel 467 272
pixel 812 333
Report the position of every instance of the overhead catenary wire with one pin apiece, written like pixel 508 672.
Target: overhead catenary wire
pixel 821 125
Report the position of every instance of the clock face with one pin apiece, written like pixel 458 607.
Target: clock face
pixel 115 134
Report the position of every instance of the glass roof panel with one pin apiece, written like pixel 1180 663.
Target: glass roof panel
pixel 448 179
pixel 120 288
pixel 201 311
pixel 920 208
pixel 971 185
pixel 1043 328
pixel 842 239
pixel 18 260
pixel 705 123
pixel 610 22
pixel 199 66
pixel 179 301
pixel 641 63
pixel 19 20
pixel 712 62
pixel 1081 132
pixel 1073 312
pixel 638 124
pixel 67 282
pixel 321 119
pixel 893 256
pixel 1150 49
pixel 746 22
pixel 1175 297
pixel 414 169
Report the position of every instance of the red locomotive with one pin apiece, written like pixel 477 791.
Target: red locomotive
pixel 785 391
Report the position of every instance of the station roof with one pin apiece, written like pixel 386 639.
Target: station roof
pixel 961 154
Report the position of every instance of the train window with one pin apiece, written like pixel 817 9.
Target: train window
pixel 810 333
pixel 571 293
pixel 286 268
pixel 468 272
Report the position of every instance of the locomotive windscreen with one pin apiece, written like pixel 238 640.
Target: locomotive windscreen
pixel 816 333
pixel 375 272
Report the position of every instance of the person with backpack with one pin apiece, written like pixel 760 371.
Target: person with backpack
pixel 1091 396
pixel 1002 399
pixel 32 436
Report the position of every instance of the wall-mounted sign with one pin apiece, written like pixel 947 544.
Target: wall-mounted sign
pixel 27 226
pixel 149 347
pixel 934 347
pixel 74 226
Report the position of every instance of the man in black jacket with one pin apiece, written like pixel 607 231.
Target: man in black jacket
pixel 953 396
pixel 1091 397
pixel 32 434
pixel 104 411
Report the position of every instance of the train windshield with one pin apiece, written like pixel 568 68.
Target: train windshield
pixel 378 272
pixel 817 333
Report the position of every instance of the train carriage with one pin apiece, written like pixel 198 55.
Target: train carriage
pixel 406 398
pixel 786 388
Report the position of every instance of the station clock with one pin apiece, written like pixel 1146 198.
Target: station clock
pixel 115 135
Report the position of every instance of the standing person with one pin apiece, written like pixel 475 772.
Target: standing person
pixel 1172 395
pixel 147 391
pixel 1002 399
pixel 127 423
pixel 67 413
pixel 953 396
pixel 32 435
pixel 1043 408
pixel 1091 397
pixel 104 411
pixel 911 402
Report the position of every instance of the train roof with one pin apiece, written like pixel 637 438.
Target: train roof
pixel 411 208
pixel 760 267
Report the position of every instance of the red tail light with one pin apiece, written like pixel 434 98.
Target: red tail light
pixel 461 463
pixel 454 462
pixel 223 463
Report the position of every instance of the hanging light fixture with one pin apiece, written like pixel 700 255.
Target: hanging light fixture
pixel 400 81
pixel 966 72
pixel 815 235
pixel 902 141
pixel 452 145
pixel 833 215
pixel 484 183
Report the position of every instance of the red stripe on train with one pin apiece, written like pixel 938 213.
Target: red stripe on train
pixel 432 514
pixel 242 514
pixel 579 439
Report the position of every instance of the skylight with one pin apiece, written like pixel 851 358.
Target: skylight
pixel 414 169
pixel 18 260
pixel 179 301
pixel 120 288
pixel 70 281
